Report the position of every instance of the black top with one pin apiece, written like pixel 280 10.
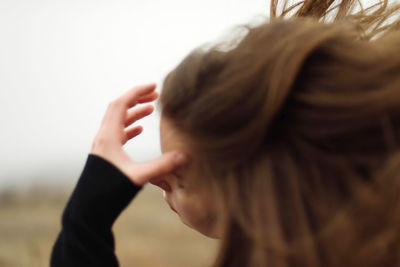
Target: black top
pixel 100 195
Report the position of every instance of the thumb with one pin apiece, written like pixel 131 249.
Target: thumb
pixel 141 173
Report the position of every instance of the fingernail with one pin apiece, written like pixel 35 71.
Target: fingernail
pixel 180 159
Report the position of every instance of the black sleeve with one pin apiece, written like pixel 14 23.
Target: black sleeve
pixel 86 238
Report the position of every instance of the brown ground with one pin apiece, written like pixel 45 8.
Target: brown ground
pixel 147 233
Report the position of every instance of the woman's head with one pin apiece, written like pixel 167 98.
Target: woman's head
pixel 293 132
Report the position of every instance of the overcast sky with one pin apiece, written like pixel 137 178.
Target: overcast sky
pixel 63 61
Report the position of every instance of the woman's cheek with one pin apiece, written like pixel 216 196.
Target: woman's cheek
pixel 193 213
pixel 183 204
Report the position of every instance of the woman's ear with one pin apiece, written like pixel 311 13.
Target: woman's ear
pixel 161 183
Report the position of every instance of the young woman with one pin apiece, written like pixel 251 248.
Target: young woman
pixel 284 143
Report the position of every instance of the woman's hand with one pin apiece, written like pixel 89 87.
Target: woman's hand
pixel 114 132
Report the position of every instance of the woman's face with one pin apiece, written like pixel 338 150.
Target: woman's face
pixel 182 191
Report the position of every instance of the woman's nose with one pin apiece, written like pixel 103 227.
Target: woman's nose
pixel 162 183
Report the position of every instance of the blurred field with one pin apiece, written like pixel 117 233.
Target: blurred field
pixel 147 233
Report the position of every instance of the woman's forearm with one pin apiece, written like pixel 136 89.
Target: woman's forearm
pixel 86 238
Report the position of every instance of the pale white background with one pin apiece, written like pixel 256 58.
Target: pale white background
pixel 61 62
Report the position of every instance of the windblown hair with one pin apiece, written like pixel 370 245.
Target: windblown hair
pixel 297 126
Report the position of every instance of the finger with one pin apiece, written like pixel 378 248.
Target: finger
pixel 166 163
pixel 148 98
pixel 131 97
pixel 138 113
pixel 132 132
pixel 115 114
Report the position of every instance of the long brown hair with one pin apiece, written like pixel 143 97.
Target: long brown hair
pixel 297 125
